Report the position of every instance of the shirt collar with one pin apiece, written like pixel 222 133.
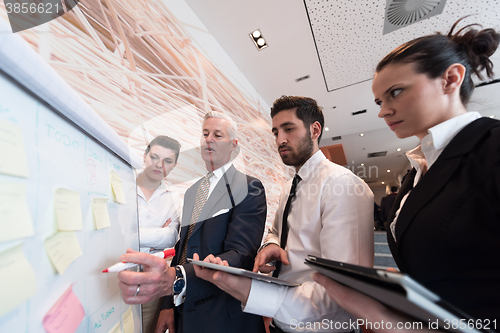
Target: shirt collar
pixel 441 134
pixel 424 156
pixel 159 190
pixel 220 171
pixel 311 164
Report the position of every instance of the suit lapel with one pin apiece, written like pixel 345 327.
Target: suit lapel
pixel 441 171
pixel 425 190
pixel 219 192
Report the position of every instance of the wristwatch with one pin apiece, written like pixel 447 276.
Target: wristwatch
pixel 179 282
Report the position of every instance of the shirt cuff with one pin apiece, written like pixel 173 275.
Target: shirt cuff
pixel 179 299
pixel 266 244
pixel 264 298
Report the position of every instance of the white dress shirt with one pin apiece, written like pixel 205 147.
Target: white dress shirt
pixel 331 217
pixel 423 157
pixel 153 214
pixel 217 176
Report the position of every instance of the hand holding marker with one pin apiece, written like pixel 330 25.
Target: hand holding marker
pixel 168 253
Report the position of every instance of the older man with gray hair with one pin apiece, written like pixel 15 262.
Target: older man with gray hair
pixel 224 213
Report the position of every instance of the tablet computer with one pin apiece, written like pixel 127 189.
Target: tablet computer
pixel 243 272
pixel 398 291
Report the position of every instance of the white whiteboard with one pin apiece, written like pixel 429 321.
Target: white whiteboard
pixel 60 155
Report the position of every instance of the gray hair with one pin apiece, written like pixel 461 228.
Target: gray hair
pixel 232 129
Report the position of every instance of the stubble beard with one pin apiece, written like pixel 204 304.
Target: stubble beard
pixel 304 152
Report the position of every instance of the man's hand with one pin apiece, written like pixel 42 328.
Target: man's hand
pixel 167 223
pixel 155 282
pixel 236 286
pixel 266 255
pixel 165 321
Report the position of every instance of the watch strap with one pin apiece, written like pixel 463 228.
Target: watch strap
pixel 167 302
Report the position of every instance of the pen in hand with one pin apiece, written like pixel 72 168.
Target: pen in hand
pixel 166 254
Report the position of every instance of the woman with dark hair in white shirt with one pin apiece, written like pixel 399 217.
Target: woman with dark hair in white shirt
pixel 159 208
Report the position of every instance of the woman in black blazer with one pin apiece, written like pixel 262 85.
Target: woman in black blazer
pixel 444 229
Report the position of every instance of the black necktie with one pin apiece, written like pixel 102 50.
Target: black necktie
pixel 284 227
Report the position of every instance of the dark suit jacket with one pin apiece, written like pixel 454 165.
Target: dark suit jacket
pixel 448 231
pixel 386 206
pixel 234 234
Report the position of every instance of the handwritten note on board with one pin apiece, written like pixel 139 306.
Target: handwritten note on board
pixel 68 210
pixel 18 279
pixel 63 248
pixel 66 315
pixel 15 220
pixel 116 329
pixel 13 161
pixel 101 215
pixel 116 184
pixel 128 321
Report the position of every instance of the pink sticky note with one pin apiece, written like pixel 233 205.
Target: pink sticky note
pixel 66 315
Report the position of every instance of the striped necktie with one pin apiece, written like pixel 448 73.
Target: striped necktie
pixel 201 198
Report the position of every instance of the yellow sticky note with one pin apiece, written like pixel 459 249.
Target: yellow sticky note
pixel 116 329
pixel 101 215
pixel 18 279
pixel 128 321
pixel 15 220
pixel 116 184
pixel 63 248
pixel 13 161
pixel 68 210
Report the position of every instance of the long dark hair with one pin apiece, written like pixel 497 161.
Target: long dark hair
pixel 433 54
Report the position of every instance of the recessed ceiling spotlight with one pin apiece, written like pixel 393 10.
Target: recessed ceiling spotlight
pixel 258 39
pixel 383 183
pixel 326 129
pixel 399 149
pixel 362 164
pixel 256 34
pixel 361 134
pixel 388 170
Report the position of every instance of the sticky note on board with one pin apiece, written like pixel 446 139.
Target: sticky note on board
pixel 66 315
pixel 13 161
pixel 128 321
pixel 116 185
pixel 100 211
pixel 116 329
pixel 18 279
pixel 63 248
pixel 68 210
pixel 15 219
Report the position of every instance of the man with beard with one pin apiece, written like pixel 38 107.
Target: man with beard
pixel 330 215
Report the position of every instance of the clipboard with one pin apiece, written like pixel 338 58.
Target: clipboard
pixel 395 290
pixel 243 272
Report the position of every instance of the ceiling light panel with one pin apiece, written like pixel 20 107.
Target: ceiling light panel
pixel 349 34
